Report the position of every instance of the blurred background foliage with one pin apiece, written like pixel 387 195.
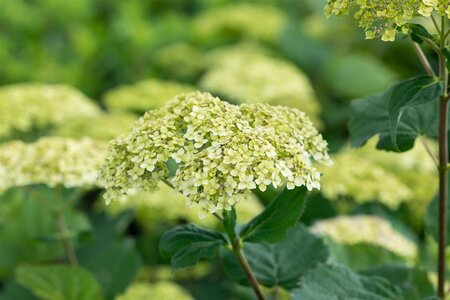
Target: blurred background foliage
pixel 90 68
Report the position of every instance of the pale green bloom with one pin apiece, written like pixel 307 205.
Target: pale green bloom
pixel 373 230
pixel 160 290
pixel 223 151
pixel 24 107
pixel 366 174
pixel 383 18
pixel 239 21
pixel 52 161
pixel 168 206
pixel 143 95
pixel 248 77
pixel 104 127
pixel 179 62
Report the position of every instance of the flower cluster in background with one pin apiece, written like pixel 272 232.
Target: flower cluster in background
pixel 52 161
pixel 263 79
pixel 27 107
pixel 366 229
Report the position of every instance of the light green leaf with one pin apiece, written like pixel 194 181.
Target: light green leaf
pixel 406 110
pixel 59 282
pixel 187 244
pixel 282 213
pixel 335 282
pixel 282 263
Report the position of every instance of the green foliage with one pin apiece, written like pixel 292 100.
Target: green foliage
pixel 112 259
pixel 366 73
pixel 282 263
pixel 28 231
pixel 361 256
pixel 59 282
pixel 413 281
pixel 271 224
pixel 334 282
pixel 187 244
pixel 399 115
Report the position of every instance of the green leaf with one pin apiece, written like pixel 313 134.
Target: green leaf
pixel 282 213
pixel 361 255
pixel 108 245
pixel 336 282
pixel 229 222
pixel 432 218
pixel 413 281
pixel 11 290
pixel 59 282
pixel 412 92
pixel 357 74
pixel 28 231
pixel 187 244
pixel 279 264
pixel 408 109
pixel 418 32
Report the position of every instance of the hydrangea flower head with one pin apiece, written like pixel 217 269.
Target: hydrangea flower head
pixel 384 17
pixel 222 151
pixel 52 161
pixel 24 107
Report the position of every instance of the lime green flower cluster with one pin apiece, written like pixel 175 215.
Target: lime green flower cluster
pixel 152 209
pixel 383 18
pixel 179 61
pixel 264 79
pixel 366 174
pixel 222 150
pixel 24 107
pixel 161 290
pixel 368 230
pixel 52 161
pixel 239 21
pixel 103 127
pixel 143 95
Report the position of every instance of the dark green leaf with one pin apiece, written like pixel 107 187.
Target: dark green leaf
pixel 408 109
pixel 409 93
pixel 11 290
pixel 279 215
pixel 282 263
pixel 59 282
pixel 420 31
pixel 187 244
pixel 414 282
pixel 335 282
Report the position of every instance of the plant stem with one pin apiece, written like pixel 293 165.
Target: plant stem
pixel 443 162
pixel 423 59
pixel 237 251
pixel 67 243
